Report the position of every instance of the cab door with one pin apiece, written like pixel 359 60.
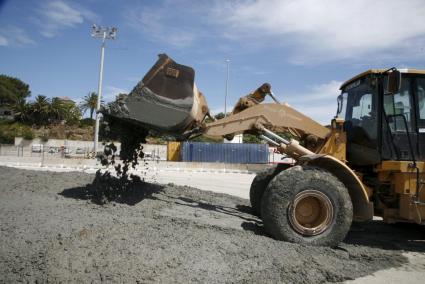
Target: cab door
pixel 361 122
pixel 399 130
pixel 419 91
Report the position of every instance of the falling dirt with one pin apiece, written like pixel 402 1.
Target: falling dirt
pixel 114 180
pixel 131 136
pixel 53 230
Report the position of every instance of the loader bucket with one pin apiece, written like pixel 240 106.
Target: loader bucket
pixel 166 99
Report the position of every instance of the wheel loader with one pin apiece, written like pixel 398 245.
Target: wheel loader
pixel 368 162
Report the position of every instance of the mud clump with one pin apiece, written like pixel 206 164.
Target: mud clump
pixel 131 136
pixel 107 188
pixel 112 185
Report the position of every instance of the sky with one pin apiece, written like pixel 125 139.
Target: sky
pixel 304 48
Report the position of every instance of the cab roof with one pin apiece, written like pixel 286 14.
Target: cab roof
pixel 380 71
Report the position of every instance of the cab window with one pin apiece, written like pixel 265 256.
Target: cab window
pixel 361 108
pixel 398 108
pixel 420 91
pixel 342 105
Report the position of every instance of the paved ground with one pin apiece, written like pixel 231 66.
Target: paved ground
pixel 229 183
pixel 377 235
pixel 236 184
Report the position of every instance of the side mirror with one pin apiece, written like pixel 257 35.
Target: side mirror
pixel 393 82
pixel 339 101
pixel 342 106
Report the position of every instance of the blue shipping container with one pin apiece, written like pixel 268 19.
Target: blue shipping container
pixel 233 153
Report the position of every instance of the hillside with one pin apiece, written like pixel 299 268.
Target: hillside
pixel 9 130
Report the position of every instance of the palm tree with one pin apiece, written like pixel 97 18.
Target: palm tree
pixel 21 109
pixel 57 109
pixel 40 109
pixel 89 103
pixel 73 114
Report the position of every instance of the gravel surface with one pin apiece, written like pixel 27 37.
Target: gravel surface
pixel 55 228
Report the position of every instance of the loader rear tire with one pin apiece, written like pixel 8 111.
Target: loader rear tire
pixel 259 185
pixel 307 205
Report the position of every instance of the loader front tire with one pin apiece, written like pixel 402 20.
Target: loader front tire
pixel 307 205
pixel 259 185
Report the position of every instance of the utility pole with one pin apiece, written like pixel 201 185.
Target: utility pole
pixel 227 87
pixel 104 33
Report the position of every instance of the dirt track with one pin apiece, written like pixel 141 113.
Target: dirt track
pixel 53 230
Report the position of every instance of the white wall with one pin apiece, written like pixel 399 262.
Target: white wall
pixel 154 150
pixel 238 138
pixel 19 141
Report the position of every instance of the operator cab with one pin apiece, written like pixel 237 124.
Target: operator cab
pixel 384 112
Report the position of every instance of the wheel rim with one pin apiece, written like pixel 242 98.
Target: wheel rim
pixel 311 212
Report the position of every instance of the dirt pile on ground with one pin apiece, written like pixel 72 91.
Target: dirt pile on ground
pixel 114 181
pixel 107 188
pixel 51 230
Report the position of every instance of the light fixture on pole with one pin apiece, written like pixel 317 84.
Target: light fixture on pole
pixel 227 87
pixel 104 33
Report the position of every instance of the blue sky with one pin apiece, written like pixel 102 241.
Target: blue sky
pixel 304 48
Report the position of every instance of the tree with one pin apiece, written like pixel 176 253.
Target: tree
pixel 40 109
pixel 21 110
pixel 63 109
pixel 72 113
pixel 220 115
pixel 249 138
pixel 12 90
pixel 89 103
pixel 57 109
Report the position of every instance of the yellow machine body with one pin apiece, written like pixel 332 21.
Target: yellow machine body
pixel 387 182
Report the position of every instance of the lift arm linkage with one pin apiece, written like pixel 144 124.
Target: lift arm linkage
pixel 276 117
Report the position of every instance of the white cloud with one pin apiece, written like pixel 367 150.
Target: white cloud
pixel 219 109
pixel 56 15
pixel 318 103
pixel 325 30
pixel 78 101
pixel 3 41
pixel 319 93
pixel 310 31
pixel 133 79
pixel 163 24
pixel 111 92
pixel 14 36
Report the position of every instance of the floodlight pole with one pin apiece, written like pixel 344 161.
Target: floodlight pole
pixel 104 33
pixel 99 94
pixel 227 87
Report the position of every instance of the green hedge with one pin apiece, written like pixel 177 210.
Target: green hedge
pixel 9 130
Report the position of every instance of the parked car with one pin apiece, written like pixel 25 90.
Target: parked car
pixel 53 150
pixel 80 151
pixel 152 156
pixel 37 148
pixel 67 152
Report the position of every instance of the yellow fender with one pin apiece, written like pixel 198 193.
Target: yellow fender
pixel 362 207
